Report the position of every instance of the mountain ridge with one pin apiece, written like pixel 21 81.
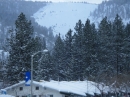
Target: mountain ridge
pixel 111 9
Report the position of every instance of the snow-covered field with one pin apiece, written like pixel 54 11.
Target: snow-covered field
pixel 63 16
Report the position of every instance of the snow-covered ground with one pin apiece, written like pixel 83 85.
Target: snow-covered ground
pixel 6 95
pixel 63 16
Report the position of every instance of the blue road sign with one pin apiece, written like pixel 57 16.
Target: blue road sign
pixel 27 78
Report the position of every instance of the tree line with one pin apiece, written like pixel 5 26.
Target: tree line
pixel 99 54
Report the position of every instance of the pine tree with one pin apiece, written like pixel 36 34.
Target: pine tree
pixel 38 45
pixel 45 68
pixel 50 34
pixel 127 50
pixel 89 48
pixel 77 51
pixel 21 44
pixel 124 76
pixel 75 59
pixel 68 55
pixel 58 58
pixel 87 45
pixel 118 28
pixel 106 49
pixel 103 32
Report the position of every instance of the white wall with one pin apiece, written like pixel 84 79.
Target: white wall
pixel 27 90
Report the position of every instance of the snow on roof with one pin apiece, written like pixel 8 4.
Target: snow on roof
pixel 15 85
pixel 74 87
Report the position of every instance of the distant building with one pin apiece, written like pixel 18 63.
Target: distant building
pixel 64 89
pixel 53 89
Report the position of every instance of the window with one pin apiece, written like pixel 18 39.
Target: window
pixel 34 95
pixel 51 95
pixel 37 88
pixel 21 88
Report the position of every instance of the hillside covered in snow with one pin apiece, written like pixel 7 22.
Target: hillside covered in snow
pixel 110 9
pixel 63 16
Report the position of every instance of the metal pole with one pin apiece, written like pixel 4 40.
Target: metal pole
pixel 31 75
pixel 44 51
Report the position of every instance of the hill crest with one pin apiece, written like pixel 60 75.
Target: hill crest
pixel 63 16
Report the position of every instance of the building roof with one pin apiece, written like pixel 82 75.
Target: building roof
pixel 70 87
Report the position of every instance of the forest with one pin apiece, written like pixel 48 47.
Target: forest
pixel 98 54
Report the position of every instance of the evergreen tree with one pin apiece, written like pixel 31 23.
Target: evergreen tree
pixel 87 45
pixel 38 45
pixel 58 58
pixel 45 67
pixel 124 76
pixel 22 46
pixel 118 29
pixel 50 34
pixel 106 50
pixel 89 48
pixel 68 55
pixel 43 43
pixel 127 50
pixel 77 51
pixel 74 61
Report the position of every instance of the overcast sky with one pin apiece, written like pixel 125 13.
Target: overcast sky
pixel 89 1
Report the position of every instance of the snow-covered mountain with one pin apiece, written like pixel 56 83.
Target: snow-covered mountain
pixel 111 9
pixel 63 16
